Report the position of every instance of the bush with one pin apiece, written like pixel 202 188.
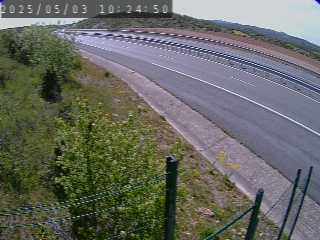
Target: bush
pixel 25 135
pixel 95 154
pixel 51 89
pixel 5 75
pixel 47 51
pixel 38 47
pixel 107 74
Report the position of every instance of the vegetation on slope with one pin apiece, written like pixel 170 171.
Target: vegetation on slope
pixel 177 21
pixel 279 38
pixel 97 136
pixel 62 145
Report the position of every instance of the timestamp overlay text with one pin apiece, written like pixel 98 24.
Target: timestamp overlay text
pixel 85 8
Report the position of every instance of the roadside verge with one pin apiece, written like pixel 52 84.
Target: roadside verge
pixel 243 167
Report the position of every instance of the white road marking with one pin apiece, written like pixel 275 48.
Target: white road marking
pixel 242 81
pixel 268 80
pixel 168 57
pixel 225 65
pixel 243 97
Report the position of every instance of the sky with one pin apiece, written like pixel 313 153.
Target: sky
pixel 300 18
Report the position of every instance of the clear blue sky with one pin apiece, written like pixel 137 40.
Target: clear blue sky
pixel 299 18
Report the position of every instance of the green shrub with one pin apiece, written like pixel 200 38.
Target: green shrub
pixel 51 89
pixel 8 43
pixel 25 134
pixel 47 51
pixel 5 75
pixel 107 74
pixel 96 154
pixel 38 47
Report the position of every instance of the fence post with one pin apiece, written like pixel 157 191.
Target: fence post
pixel 171 195
pixel 254 219
pixel 294 190
pixel 301 203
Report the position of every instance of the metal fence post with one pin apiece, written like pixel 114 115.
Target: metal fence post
pixel 293 194
pixel 254 219
pixel 171 195
pixel 305 190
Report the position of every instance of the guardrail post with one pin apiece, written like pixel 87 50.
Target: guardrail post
pixel 305 190
pixel 254 219
pixel 293 194
pixel 171 195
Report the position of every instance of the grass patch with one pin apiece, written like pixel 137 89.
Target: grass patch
pixel 26 144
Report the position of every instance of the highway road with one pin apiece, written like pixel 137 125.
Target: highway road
pixel 276 122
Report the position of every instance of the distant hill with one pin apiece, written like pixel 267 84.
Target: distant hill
pixel 279 38
pixel 177 21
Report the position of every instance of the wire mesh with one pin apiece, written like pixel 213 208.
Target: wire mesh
pixel 273 218
pixel 231 226
pixel 51 207
pixel 56 217
pixel 232 221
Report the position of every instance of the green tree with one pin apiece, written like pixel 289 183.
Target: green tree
pixel 40 48
pixel 96 154
pixel 9 42
pixel 51 89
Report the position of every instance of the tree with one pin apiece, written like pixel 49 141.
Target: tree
pixel 98 155
pixel 40 48
pixel 51 89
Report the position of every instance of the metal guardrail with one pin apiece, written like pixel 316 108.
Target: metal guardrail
pixel 243 61
pixel 214 41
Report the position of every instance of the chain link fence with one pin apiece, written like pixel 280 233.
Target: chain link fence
pixel 286 210
pixel 23 222
pixel 280 221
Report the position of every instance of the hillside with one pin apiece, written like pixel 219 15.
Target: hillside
pixel 177 21
pixel 278 38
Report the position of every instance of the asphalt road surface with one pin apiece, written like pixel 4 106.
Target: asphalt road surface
pixel 277 123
